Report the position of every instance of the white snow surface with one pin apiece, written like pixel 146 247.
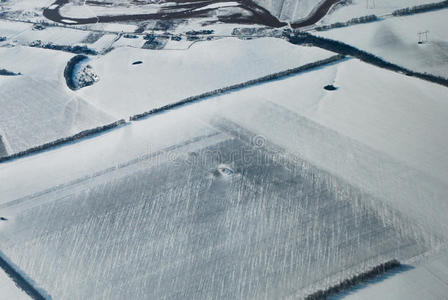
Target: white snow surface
pixel 327 190
pixel 289 10
pixel 37 107
pixel 395 39
pixel 359 8
pixel 171 75
pixel 426 281
pixel 9 290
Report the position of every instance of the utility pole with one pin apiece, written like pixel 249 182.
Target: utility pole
pixel 422 37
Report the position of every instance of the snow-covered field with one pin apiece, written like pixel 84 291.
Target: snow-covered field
pixel 425 281
pixel 8 289
pixel 289 10
pixel 37 107
pixel 269 191
pixel 55 35
pixel 168 76
pixel 359 8
pixel 396 40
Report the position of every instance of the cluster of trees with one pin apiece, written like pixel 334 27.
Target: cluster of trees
pixel 67 48
pixel 420 8
pixel 300 38
pixel 130 36
pixel 64 140
pixel 155 42
pixel 5 72
pixel 199 32
pixel 360 20
pixel 69 69
pixel 238 86
pixel 357 279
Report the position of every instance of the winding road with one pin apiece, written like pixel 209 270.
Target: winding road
pixel 196 9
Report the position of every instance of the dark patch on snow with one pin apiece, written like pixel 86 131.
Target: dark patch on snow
pixel 78 75
pixel 138 62
pixel 5 72
pixel 330 87
pixel 38 27
pixel 270 77
pixel 225 171
pixel 3 219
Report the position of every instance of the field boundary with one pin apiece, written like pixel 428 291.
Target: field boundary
pixel 230 88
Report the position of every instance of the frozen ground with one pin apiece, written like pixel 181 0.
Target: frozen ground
pixel 289 10
pixel 169 76
pixel 8 289
pixel 395 39
pixel 37 107
pixel 425 281
pixel 272 191
pixel 359 8
pixel 233 191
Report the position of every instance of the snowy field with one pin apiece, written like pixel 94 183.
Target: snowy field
pixel 359 8
pixel 168 76
pixel 37 107
pixel 396 40
pixel 425 281
pixel 289 10
pixel 9 290
pixel 269 191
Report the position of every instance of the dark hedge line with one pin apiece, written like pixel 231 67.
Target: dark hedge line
pixel 20 280
pixel 352 281
pixel 360 20
pixel 300 38
pixel 72 49
pixel 420 8
pixel 68 71
pixel 64 140
pixel 238 86
pixel 5 72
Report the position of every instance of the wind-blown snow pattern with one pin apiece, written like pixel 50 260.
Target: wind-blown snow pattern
pixel 267 229
pixel 238 197
pixel 36 111
pixel 234 176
